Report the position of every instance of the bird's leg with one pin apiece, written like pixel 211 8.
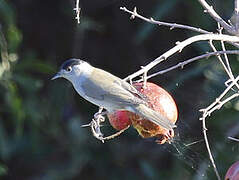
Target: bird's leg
pixel 95 126
pixel 169 135
pixel 95 129
pixel 166 137
pixel 99 116
pixel 96 121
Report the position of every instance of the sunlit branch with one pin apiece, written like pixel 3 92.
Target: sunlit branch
pixel 134 14
pixel 182 64
pixel 77 9
pixel 179 47
pixel 209 9
pixel 234 139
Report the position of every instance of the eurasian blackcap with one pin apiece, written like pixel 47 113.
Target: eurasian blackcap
pixel 108 91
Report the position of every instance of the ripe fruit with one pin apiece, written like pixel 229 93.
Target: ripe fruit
pixel 160 101
pixel 233 172
pixel 119 119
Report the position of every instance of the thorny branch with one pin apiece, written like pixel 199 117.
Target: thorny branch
pixel 205 36
pixel 234 139
pixel 77 9
pixel 179 47
pixel 182 64
pixel 236 16
pixel 219 102
pixel 216 105
pixel 134 14
pixel 172 26
pixel 209 9
pixel 225 55
pixel 236 6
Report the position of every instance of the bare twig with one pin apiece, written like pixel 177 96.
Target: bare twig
pixel 216 17
pixel 221 103
pixel 217 104
pixel 77 9
pixel 234 139
pixel 236 15
pixel 236 6
pixel 207 111
pixel 226 68
pixel 220 59
pixel 134 14
pixel 208 36
pixel 179 47
pixel 208 147
pixel 224 49
pixel 182 64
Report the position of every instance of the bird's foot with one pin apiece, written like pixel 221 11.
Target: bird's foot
pixel 99 117
pixel 167 137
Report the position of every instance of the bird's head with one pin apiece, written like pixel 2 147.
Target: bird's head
pixel 72 69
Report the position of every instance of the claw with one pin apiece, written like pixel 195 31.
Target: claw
pixel 167 137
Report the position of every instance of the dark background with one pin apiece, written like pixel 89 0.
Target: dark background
pixel 40 133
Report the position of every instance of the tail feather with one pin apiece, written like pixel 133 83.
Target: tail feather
pixel 153 116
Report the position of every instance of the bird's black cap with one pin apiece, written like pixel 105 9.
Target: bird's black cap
pixel 71 62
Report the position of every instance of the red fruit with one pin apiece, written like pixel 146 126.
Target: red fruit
pixel 119 119
pixel 160 101
pixel 233 172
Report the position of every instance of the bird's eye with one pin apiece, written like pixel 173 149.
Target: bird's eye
pixel 68 69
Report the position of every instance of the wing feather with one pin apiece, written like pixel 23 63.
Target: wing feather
pixel 107 87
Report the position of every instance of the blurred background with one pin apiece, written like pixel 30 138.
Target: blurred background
pixel 40 133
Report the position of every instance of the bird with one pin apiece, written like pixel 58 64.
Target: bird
pixel 108 91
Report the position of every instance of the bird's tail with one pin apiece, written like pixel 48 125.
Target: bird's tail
pixel 153 116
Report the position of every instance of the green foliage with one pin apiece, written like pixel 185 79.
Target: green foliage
pixel 40 120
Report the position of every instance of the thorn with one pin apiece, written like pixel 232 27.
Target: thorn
pixel 229 21
pixel 181 65
pixel 163 58
pixel 85 125
pixel 171 28
pixel 131 81
pixel 201 110
pixel 123 8
pixel 134 13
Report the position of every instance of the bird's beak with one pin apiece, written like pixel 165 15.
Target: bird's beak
pixel 57 75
